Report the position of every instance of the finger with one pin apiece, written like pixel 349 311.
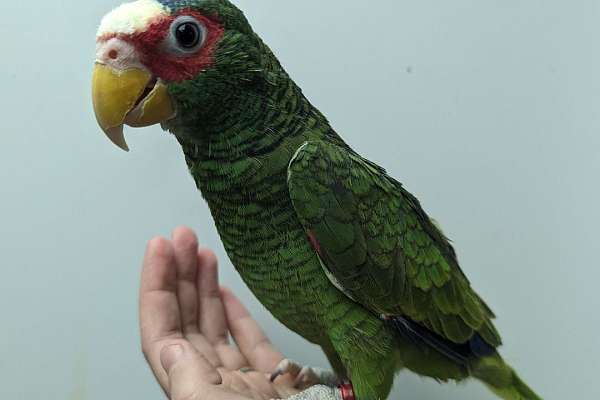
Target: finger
pixel 190 375
pixel 185 245
pixel 235 381
pixel 259 383
pixel 250 338
pixel 212 320
pixel 158 306
pixel 213 323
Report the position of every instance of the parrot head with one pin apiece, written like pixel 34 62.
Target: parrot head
pixel 174 62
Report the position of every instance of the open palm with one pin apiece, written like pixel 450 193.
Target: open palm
pixel 186 320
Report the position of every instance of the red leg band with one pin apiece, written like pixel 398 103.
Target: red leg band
pixel 347 391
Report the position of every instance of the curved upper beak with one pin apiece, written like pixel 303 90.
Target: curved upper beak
pixel 129 97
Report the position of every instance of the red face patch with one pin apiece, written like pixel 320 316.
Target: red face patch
pixel 172 66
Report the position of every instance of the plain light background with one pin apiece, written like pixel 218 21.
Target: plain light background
pixel 488 111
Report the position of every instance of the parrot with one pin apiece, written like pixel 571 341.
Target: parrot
pixel 334 247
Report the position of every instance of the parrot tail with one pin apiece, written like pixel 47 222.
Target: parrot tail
pixel 502 379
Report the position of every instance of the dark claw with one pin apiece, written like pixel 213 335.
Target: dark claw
pixel 275 375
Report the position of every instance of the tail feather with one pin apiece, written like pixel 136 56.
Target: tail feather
pixel 502 379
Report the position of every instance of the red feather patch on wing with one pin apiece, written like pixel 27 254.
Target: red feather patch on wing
pixel 314 242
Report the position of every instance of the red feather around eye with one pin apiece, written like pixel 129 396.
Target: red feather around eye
pixel 173 67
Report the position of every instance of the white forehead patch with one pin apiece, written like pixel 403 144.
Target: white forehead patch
pixel 132 17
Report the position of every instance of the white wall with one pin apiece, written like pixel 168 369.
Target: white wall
pixel 489 112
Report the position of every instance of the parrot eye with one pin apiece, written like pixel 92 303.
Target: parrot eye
pixel 187 35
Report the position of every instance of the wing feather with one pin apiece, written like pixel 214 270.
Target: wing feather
pixel 376 241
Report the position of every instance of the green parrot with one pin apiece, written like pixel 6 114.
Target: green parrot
pixel 334 247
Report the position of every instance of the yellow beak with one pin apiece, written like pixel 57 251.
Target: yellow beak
pixel 130 97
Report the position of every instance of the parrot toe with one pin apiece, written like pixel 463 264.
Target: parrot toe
pixel 305 376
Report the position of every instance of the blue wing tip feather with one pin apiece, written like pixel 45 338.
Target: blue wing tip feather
pixel 460 353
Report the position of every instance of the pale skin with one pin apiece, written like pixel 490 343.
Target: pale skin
pixel 186 319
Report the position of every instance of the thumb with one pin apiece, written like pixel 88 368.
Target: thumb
pixel 189 372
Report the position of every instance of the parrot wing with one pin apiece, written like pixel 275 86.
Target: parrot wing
pixel 380 248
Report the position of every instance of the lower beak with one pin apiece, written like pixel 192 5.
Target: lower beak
pixel 130 97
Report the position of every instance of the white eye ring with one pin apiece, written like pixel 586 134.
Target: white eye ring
pixel 186 35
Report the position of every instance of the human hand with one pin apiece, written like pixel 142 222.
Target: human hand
pixel 185 322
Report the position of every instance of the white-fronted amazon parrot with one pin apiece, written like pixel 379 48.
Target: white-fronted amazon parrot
pixel 333 246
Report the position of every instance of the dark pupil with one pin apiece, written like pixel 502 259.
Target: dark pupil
pixel 187 35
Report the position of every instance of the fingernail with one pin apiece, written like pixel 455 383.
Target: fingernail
pixel 170 355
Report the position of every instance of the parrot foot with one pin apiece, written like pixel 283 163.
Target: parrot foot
pixel 305 376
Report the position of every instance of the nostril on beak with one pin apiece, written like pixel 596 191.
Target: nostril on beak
pixel 113 54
